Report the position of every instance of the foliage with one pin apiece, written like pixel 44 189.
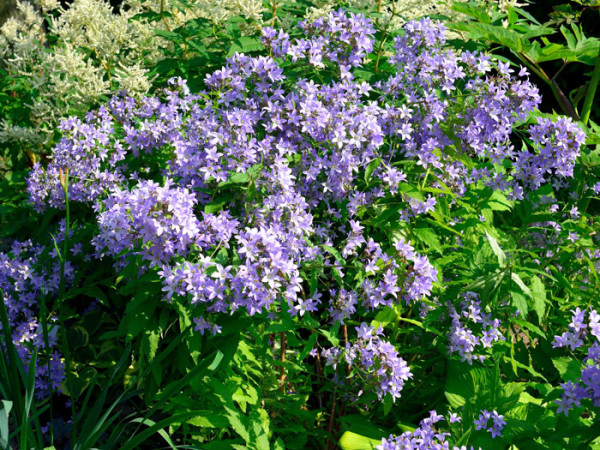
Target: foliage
pixel 528 40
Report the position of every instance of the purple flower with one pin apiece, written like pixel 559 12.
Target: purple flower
pixel 498 422
pixel 157 222
pixel 376 360
pixel 425 436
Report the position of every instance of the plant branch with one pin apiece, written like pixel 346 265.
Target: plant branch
pixel 64 181
pixel 560 96
pixel 331 418
pixel 591 92
pixel 162 17
pixel 282 360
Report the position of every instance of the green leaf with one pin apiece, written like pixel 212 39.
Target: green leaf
pixel 455 400
pixel 371 168
pixel 170 35
pixel 218 358
pixel 538 292
pixel 569 368
pixel 285 324
pixel 529 326
pixel 239 423
pixel 246 44
pixel 209 420
pixel 499 202
pixel 4 415
pixel 496 34
pixel 135 441
pixel 429 237
pixel 520 302
pixel 161 432
pixel 335 253
pixel 476 12
pixel 330 335
pixel 388 403
pixel 529 369
pixel 150 343
pixel 517 279
pixel 496 249
pixel 569 37
pixel 353 441
pixel 308 346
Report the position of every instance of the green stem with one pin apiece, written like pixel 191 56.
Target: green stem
pixel 561 98
pixel 61 297
pixel 162 17
pixel 591 92
pixel 379 53
pixel 44 320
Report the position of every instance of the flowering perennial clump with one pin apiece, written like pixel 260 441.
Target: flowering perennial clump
pixel 23 280
pixel 304 204
pixel 296 150
pixel 95 50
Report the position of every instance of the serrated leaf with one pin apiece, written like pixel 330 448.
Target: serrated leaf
pixel 246 44
pixel 496 249
pixel 520 302
pixel 335 253
pixel 210 420
pixel 238 423
pixel 331 335
pixel 519 282
pixel 476 12
pixel 429 237
pixel 538 292
pixel 150 343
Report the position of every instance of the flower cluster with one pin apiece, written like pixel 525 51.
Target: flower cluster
pixel 483 113
pixel 498 422
pixel 342 40
pixel 93 51
pixel 576 337
pixel 23 280
pixel 588 385
pixel 424 437
pixel 373 360
pixel 462 339
pixel 558 143
pixel 90 156
pixel 158 220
